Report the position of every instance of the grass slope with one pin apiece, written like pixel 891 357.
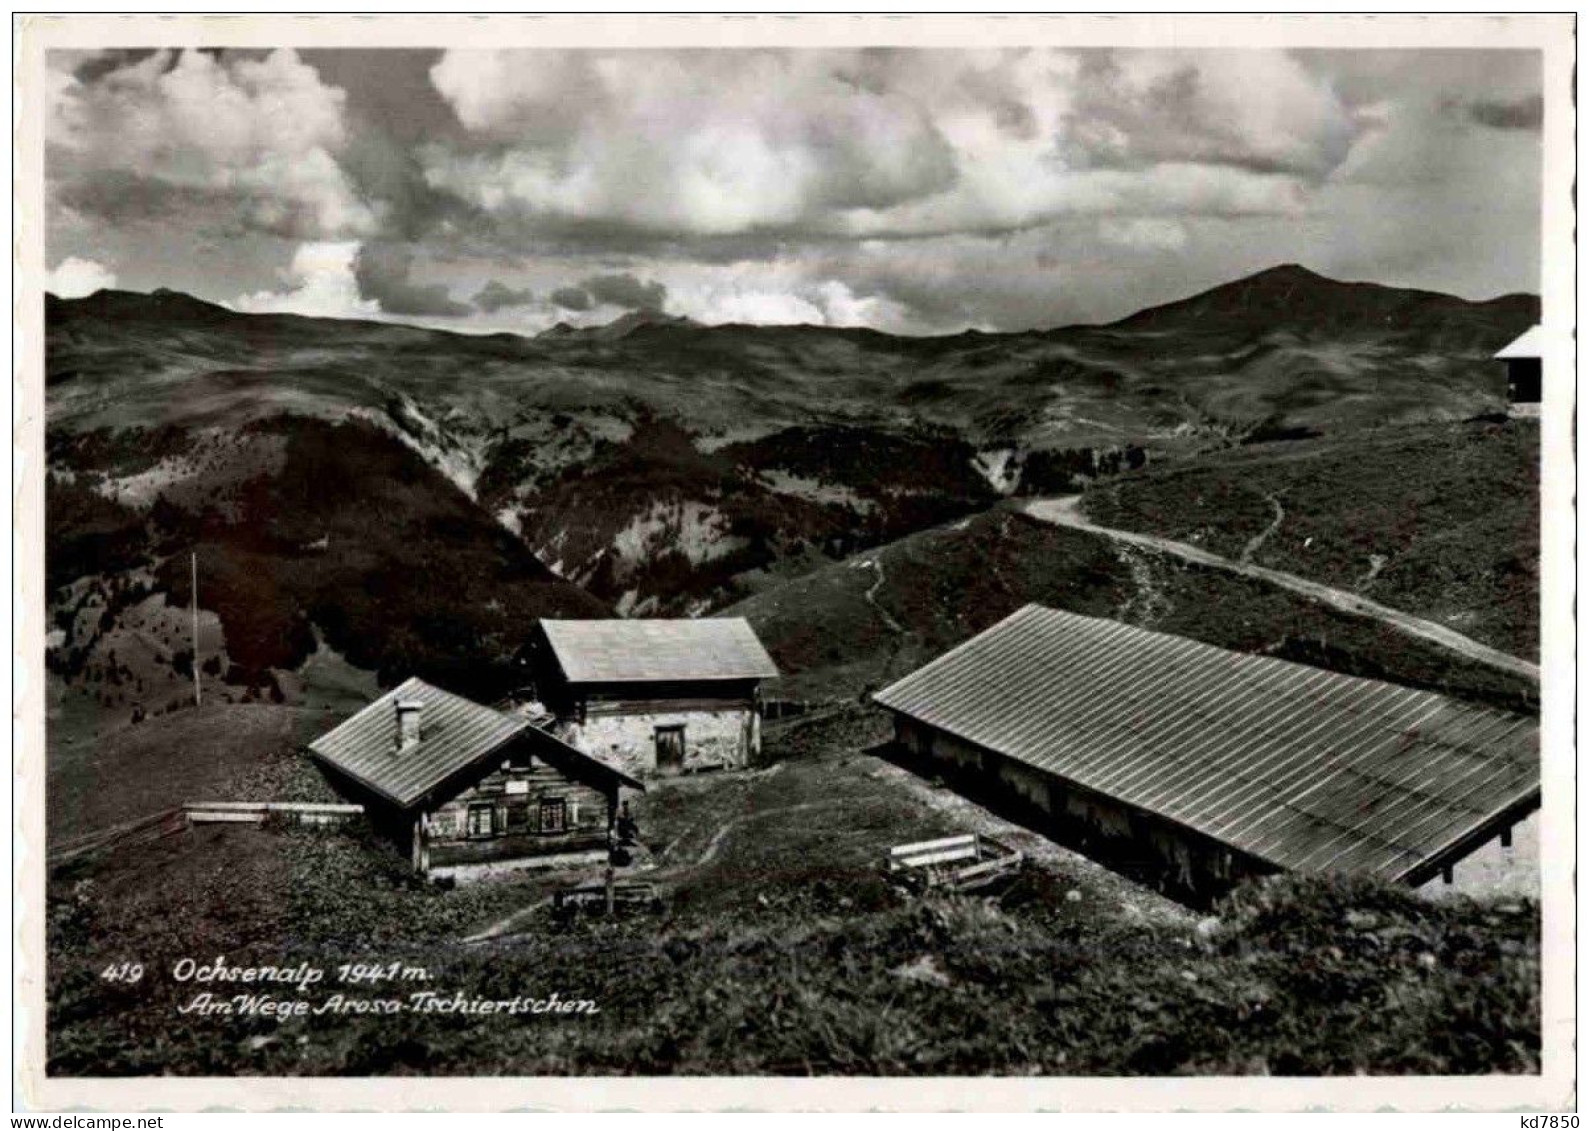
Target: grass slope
pixel 850 628
pixel 1442 521
pixel 354 534
pixel 799 437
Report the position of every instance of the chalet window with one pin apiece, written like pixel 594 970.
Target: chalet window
pixel 554 815
pixel 482 820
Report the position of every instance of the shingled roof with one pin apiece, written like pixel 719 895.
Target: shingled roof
pixel 454 733
pixel 1304 768
pixel 635 651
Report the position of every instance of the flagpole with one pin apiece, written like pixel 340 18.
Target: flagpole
pixel 198 695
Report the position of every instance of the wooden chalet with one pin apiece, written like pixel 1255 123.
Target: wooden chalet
pixel 655 696
pixel 465 787
pixel 1196 766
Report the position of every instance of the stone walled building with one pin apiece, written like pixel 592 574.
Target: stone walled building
pixel 655 697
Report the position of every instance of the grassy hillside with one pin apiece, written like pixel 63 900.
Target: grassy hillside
pixel 103 772
pixel 850 628
pixel 795 438
pixel 782 951
pixel 351 533
pixel 1442 521
pixel 654 524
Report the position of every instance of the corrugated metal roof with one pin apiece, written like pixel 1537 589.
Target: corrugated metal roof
pixel 1305 768
pixel 453 733
pixel 626 651
pixel 1531 343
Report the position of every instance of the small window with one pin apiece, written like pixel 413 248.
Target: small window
pixel 554 815
pixel 670 748
pixel 482 820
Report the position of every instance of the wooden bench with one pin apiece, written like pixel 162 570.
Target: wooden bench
pixel 594 896
pixel 962 863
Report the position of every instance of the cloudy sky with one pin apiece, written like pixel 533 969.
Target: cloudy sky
pixel 917 191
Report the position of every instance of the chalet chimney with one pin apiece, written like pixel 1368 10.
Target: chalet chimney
pixel 408 712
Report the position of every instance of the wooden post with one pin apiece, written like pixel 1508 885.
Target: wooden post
pixel 197 692
pixel 612 816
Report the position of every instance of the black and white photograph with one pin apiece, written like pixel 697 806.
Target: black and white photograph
pixel 632 549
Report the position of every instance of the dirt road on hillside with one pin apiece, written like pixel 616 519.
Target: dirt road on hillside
pixel 1067 511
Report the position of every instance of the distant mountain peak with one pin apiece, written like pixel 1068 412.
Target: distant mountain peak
pixel 635 319
pixel 1291 296
pixel 621 327
pixel 1288 272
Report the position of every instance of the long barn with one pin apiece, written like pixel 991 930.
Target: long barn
pixel 1205 766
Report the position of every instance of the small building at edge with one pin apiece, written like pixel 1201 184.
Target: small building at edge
pixel 1524 363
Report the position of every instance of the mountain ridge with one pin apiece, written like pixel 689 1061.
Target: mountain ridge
pixel 665 468
pixel 1287 275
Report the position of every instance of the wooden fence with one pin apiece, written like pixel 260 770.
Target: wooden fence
pixel 784 708
pixel 156 826
pixel 170 822
pixel 256 812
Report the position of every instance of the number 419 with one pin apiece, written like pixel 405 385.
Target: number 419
pixel 122 972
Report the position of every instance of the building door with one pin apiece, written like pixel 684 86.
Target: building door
pixel 670 748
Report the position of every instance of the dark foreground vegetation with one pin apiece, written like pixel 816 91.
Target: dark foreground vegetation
pixel 780 949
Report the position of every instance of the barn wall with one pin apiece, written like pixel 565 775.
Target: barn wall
pixel 623 735
pixel 1130 840
pixel 515 794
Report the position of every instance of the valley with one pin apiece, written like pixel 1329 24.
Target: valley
pixel 365 502
pixel 326 473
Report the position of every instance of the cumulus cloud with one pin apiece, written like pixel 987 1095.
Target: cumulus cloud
pixel 572 298
pixel 622 290
pixel 913 190
pixel 75 278
pixel 383 273
pixel 319 282
pixel 1260 111
pixel 721 141
pixel 1144 233
pixel 822 144
pixel 626 291
pixel 828 302
pixel 256 135
pixel 1523 114
pixel 497 295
